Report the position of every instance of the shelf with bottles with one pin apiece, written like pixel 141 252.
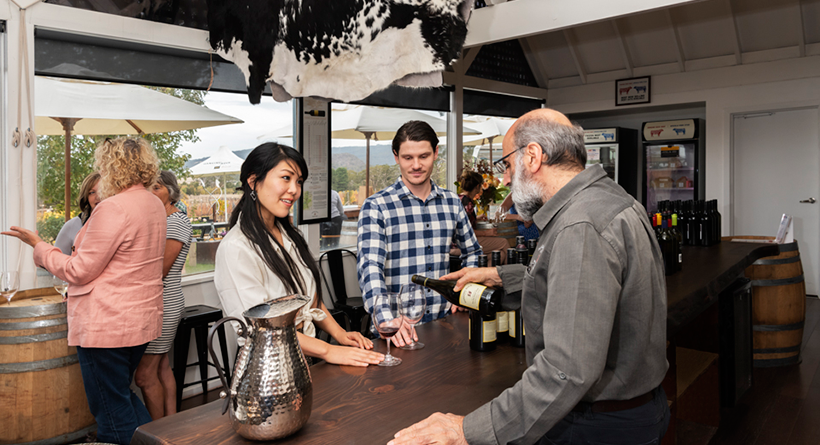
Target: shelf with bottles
pixel 658 189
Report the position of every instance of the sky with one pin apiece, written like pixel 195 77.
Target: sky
pixel 259 120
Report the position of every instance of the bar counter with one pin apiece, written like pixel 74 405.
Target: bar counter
pixel 368 405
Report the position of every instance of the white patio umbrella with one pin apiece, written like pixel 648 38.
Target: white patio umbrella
pixel 223 162
pixel 66 107
pixel 491 128
pixel 376 123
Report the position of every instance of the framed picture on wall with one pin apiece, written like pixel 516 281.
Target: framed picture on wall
pixel 632 91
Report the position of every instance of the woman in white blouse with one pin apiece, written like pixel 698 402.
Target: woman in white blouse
pixel 263 257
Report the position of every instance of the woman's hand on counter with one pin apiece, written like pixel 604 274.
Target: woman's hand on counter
pixel 346 355
pixel 444 429
pixel 487 276
pixel 354 339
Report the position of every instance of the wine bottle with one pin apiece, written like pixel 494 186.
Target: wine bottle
pixel 668 251
pixel 482 261
pixel 705 222
pixel 679 237
pixel 495 258
pixel 512 257
pixel 486 300
pixel 482 331
pixel 517 323
pixel 718 223
pixel 521 250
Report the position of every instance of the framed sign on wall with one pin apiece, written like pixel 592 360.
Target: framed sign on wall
pixel 314 143
pixel 632 91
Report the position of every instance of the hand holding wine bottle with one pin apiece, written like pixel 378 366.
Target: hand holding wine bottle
pixel 487 276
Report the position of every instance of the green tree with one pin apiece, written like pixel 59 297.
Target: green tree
pixel 340 179
pixel 51 156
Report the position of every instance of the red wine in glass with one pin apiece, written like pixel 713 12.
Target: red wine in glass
pixel 388 321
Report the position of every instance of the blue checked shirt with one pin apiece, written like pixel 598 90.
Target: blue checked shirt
pixel 400 236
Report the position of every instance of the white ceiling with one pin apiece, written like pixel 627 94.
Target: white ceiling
pixel 694 36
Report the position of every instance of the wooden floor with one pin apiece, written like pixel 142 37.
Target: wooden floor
pixel 782 407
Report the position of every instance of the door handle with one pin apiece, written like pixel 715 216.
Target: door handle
pixel 808 201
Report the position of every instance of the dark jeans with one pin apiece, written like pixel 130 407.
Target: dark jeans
pixel 644 425
pixel 107 376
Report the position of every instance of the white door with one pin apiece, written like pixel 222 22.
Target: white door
pixel 776 165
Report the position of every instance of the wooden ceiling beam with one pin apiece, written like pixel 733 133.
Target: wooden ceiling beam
pixel 522 18
pixel 624 49
pixel 571 43
pixel 736 33
pixel 678 44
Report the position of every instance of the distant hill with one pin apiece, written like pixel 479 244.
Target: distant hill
pixel 352 158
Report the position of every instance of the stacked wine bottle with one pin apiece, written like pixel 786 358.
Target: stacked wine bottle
pixel 684 223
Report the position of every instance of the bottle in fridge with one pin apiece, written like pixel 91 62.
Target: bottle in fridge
pixel 673 159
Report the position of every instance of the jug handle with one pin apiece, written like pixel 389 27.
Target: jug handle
pixel 243 331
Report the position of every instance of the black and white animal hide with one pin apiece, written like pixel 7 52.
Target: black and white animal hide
pixel 337 49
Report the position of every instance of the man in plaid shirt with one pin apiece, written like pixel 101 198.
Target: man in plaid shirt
pixel 407 228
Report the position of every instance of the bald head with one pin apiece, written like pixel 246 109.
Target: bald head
pixel 561 141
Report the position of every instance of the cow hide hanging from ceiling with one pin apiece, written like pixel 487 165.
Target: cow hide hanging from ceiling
pixel 338 49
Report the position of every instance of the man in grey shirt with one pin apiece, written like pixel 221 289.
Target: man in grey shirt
pixel 593 303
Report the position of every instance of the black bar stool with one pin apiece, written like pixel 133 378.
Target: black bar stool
pixel 198 318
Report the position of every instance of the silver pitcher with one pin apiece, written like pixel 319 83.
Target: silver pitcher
pixel 271 393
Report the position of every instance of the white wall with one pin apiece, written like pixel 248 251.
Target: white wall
pixel 725 91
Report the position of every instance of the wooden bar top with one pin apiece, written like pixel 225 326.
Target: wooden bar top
pixel 369 405
pixel 706 272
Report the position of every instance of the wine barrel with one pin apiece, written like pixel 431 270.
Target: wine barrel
pixel 42 399
pixel 778 306
pixel 508 230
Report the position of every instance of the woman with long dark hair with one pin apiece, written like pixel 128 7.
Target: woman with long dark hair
pixel 263 257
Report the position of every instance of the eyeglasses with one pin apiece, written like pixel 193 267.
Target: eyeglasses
pixel 502 165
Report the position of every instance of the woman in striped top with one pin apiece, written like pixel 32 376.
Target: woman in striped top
pixel 154 375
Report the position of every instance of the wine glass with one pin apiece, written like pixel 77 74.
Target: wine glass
pixel 60 285
pixel 9 283
pixel 388 320
pixel 413 304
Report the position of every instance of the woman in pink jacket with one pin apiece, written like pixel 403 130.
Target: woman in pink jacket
pixel 115 283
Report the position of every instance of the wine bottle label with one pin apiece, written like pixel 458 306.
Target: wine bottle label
pixel 511 323
pixel 489 330
pixel 471 295
pixel 503 326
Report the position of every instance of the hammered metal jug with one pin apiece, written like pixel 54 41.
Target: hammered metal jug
pixel 271 393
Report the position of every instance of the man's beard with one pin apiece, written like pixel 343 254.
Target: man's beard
pixel 526 194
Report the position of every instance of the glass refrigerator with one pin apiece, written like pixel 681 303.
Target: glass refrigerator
pixel 674 160
pixel 616 150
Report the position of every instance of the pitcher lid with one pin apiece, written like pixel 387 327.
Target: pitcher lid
pixel 277 307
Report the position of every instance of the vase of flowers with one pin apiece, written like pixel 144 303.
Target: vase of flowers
pixel 491 189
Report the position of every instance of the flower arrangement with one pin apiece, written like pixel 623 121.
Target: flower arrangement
pixel 492 190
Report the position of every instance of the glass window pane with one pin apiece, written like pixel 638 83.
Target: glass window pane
pixel 208 196
pixel 354 128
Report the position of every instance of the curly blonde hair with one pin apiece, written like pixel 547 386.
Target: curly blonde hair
pixel 124 162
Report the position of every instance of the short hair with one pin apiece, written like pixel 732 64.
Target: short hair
pixel 469 180
pixel 85 189
pixel 416 131
pixel 124 162
pixel 562 144
pixel 169 181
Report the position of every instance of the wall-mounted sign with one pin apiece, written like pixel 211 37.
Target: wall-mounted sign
pixel 598 136
pixel 632 91
pixel 680 129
